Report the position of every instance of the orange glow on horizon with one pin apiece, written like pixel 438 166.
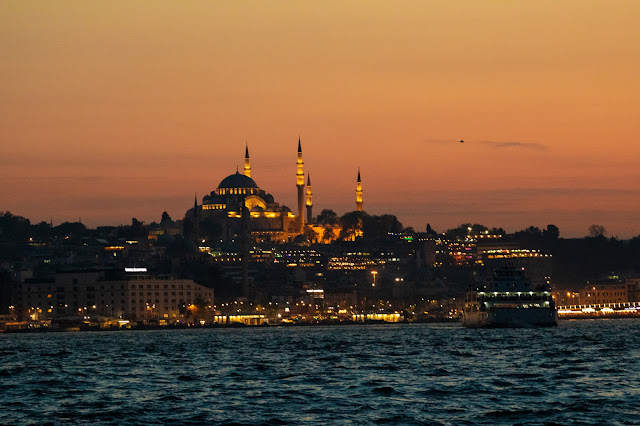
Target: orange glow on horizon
pixel 124 109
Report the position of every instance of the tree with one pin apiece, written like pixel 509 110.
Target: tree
pixel 466 229
pixel 530 238
pixel 13 228
pixel 533 231
pixel 199 309
pixel 327 217
pixel 351 222
pixel 41 231
pixel 596 231
pixel 312 236
pixel 379 227
pixel 71 230
pixel 497 231
pixel 552 232
pixel 327 235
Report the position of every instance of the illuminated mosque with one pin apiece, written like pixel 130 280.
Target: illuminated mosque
pixel 267 219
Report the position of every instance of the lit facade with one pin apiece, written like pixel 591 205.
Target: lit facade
pixel 604 294
pixel 359 193
pixel 309 200
pixel 269 221
pixel 92 294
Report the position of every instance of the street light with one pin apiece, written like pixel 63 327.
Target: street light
pixel 374 273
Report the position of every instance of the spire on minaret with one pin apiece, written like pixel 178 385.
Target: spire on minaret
pixel 309 200
pixel 300 185
pixel 359 193
pixel 247 165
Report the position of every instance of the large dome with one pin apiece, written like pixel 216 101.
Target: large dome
pixel 237 181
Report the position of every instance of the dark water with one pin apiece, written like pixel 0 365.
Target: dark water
pixel 580 372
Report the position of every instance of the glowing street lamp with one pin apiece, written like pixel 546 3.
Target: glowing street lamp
pixel 374 273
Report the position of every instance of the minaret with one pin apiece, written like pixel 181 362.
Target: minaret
pixel 247 166
pixel 300 185
pixel 309 201
pixel 245 241
pixel 359 193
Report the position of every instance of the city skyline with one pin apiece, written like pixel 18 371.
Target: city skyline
pixel 120 110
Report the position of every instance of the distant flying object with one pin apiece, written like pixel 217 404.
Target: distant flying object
pixel 461 141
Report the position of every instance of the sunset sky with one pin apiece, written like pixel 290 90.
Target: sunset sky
pixel 121 109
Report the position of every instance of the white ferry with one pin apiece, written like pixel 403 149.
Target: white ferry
pixel 507 300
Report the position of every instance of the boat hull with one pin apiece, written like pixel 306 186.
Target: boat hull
pixel 511 317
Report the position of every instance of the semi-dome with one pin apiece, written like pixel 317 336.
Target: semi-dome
pixel 237 181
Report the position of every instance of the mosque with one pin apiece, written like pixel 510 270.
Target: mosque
pixel 267 220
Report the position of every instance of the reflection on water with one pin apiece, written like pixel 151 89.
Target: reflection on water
pixel 581 371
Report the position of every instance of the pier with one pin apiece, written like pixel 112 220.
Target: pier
pixel 613 310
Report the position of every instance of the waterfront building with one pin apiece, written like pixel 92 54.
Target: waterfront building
pixel 605 293
pixel 633 289
pixel 341 302
pixel 381 316
pixel 89 294
pixel 240 318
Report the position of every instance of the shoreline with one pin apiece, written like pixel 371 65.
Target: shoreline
pixel 147 327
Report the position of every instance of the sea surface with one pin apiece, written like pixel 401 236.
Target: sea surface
pixel 582 372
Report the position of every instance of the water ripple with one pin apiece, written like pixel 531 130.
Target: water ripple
pixel 579 372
